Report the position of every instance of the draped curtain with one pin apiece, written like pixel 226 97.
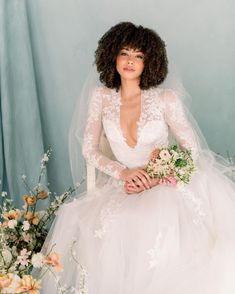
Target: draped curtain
pixel 21 146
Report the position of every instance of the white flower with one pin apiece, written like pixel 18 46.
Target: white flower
pixel 4 194
pixel 26 225
pixel 174 154
pixel 23 177
pixel 37 260
pixel 45 158
pixel 164 154
pixel 78 184
pixel 12 223
pixel 181 172
pixel 23 257
pixel 26 237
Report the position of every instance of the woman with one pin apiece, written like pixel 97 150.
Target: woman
pixel 134 234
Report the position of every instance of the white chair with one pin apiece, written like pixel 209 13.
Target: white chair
pixel 90 169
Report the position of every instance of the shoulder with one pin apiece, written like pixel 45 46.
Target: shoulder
pixel 102 91
pixel 168 95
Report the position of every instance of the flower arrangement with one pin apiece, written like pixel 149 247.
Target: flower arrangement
pixel 22 234
pixel 171 165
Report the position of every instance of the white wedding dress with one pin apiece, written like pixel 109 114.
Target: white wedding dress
pixel 165 240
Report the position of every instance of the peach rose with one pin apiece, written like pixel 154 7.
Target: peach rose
pixel 30 200
pixel 53 259
pixel 35 221
pixel 154 155
pixel 42 195
pixel 5 281
pixel 12 214
pixel 29 215
pixel 28 284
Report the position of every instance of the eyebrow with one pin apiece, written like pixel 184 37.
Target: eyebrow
pixel 128 49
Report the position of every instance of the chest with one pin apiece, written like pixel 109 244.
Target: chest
pixel 134 123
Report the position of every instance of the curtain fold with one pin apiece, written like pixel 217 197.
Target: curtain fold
pixel 21 146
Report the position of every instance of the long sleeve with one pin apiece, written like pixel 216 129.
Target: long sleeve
pixel 179 125
pixel 91 139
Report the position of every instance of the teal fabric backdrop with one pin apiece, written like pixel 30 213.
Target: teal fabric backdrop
pixel 21 133
pixel 47 49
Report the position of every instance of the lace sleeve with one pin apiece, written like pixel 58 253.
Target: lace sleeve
pixel 179 125
pixel 91 139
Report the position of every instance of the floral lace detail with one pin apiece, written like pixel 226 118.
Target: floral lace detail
pixel 160 110
pixel 178 122
pixel 111 107
pixel 107 217
pixel 152 108
pixel 95 107
pixel 155 252
pixel 92 134
pixel 196 203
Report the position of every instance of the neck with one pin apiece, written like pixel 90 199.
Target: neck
pixel 129 89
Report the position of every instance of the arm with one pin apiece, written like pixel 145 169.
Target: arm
pixel 91 139
pixel 179 125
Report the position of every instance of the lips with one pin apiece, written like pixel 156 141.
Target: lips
pixel 128 69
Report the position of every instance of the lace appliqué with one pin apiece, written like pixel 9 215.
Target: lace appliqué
pixel 83 275
pixel 155 252
pixel 151 109
pixel 94 108
pixel 179 124
pixel 195 202
pixel 107 217
pixel 111 107
pixel 92 133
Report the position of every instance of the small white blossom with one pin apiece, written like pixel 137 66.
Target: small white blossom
pixel 26 237
pixel 23 177
pixel 164 154
pixel 45 158
pixel 12 223
pixel 37 260
pixel 22 259
pixel 26 225
pixel 4 194
pixel 77 185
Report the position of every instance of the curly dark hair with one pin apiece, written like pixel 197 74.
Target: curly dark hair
pixel 126 34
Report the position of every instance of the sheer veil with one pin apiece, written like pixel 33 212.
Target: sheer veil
pixel 172 82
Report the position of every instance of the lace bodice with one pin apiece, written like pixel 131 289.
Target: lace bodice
pixel 161 111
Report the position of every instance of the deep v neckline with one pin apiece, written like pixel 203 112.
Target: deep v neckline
pixel 137 121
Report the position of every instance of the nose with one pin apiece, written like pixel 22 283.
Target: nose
pixel 130 60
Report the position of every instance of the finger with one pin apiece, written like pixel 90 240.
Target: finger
pixel 139 184
pixel 145 182
pixel 145 175
pixel 131 191
pixel 136 187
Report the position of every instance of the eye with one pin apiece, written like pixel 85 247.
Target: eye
pixel 123 53
pixel 140 56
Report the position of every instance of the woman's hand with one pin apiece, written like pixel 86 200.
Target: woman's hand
pixel 136 179
pixel 129 188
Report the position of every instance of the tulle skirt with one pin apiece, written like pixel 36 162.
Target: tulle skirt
pixel 165 240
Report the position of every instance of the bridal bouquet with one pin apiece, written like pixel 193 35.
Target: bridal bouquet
pixel 171 165
pixel 22 234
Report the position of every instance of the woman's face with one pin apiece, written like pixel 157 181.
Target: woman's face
pixel 130 63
